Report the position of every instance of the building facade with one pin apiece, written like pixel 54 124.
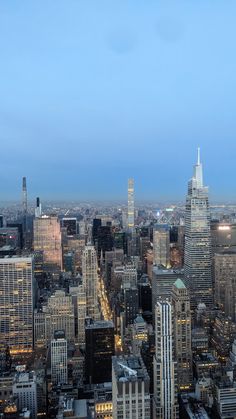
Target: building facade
pixel 130 388
pixel 165 405
pixel 47 238
pixel 182 334
pixel 16 303
pixel 161 245
pixel 59 374
pixel 90 280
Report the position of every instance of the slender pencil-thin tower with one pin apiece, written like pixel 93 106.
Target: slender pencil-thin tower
pixel 24 195
pixel 131 204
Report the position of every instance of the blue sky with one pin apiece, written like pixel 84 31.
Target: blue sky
pixel 94 92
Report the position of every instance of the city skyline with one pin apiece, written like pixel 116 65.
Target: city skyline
pixel 114 91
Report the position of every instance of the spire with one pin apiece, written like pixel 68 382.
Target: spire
pixel 198 156
pixel 198 176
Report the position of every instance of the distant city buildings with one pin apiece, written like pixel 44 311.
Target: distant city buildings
pixel 103 321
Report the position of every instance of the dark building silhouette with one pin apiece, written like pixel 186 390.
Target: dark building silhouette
pixel 19 226
pixel 71 225
pixel 99 349
pixel 145 294
pixel 104 240
pixel 120 241
pixel 97 222
pixel 130 305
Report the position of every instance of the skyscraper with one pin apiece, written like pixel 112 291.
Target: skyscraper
pixel 131 204
pixel 90 280
pixel 225 287
pixel 25 388
pixel 38 208
pixel 182 334
pixel 47 238
pixel 161 245
pixel 24 195
pixel 16 303
pixel 59 358
pixel 165 404
pixel 99 349
pixel 197 250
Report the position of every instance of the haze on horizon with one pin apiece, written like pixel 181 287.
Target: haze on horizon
pixel 93 92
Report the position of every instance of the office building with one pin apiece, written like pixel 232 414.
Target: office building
pixel 104 241
pixel 223 235
pixel 197 250
pixel 161 245
pixel 226 398
pixel 59 374
pixel 71 225
pixel 131 308
pixel 99 349
pixel 162 283
pixel 25 388
pixel 130 388
pixel 10 236
pixel 182 334
pixel 47 238
pixel 60 310
pixel 16 303
pixel 38 208
pixel 97 222
pixel 145 294
pixel 90 280
pixel 103 401
pixel 57 314
pixel 139 334
pixel 5 358
pixel 165 405
pixel 225 287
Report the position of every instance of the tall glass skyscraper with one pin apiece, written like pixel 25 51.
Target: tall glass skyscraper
pixel 197 250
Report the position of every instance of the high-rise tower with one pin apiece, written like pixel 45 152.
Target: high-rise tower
pixel 197 250
pixel 165 405
pixel 38 208
pixel 24 195
pixel 182 334
pixel 90 280
pixel 47 238
pixel 130 204
pixel 16 303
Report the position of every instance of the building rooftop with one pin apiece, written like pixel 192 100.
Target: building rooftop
pixel 100 324
pixel 160 270
pixel 129 368
pixel 179 284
